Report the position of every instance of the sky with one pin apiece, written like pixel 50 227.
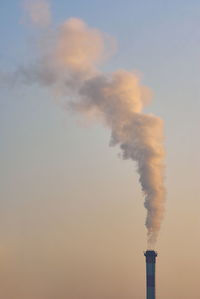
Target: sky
pixel 72 215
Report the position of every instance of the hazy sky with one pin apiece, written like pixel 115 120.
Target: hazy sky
pixel 72 214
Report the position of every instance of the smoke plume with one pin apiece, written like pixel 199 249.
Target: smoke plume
pixel 119 99
pixel 69 62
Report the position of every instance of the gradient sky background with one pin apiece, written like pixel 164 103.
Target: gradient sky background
pixel 72 215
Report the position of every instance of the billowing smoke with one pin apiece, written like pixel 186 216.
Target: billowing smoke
pixel 68 63
pixel 119 98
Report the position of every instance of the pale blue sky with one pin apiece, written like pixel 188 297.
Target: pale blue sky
pixel 71 210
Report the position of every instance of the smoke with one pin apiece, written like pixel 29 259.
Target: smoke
pixel 69 62
pixel 119 99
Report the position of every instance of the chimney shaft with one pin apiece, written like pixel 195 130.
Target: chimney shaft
pixel 150 273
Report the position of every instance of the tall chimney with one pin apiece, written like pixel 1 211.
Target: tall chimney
pixel 150 273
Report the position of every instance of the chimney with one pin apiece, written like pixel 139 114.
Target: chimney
pixel 150 273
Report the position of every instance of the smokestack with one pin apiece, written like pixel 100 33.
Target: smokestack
pixel 150 273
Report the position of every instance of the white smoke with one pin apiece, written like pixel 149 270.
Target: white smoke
pixel 69 63
pixel 119 98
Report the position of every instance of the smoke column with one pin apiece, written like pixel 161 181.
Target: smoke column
pixel 119 98
pixel 69 59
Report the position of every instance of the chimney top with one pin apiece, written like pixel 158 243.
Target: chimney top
pixel 150 256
